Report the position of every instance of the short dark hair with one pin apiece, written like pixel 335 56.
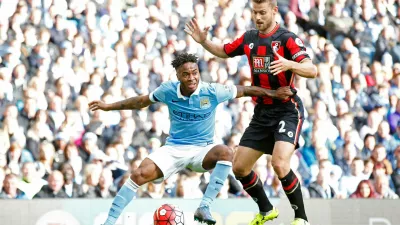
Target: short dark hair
pixel 369 135
pixel 271 2
pixel 10 176
pixel 182 58
pixel 368 161
pixel 357 158
pixel 322 161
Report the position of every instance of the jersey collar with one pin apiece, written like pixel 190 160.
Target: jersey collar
pixel 272 32
pixel 196 92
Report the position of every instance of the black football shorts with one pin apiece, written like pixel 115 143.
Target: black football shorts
pixel 271 123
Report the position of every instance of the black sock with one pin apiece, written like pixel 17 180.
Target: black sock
pixel 253 186
pixel 292 188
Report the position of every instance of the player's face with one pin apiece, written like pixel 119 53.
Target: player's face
pixel 188 75
pixel 263 15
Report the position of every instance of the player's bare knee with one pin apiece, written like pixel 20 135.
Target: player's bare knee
pixel 136 177
pixel 224 154
pixel 281 167
pixel 240 171
pixel 139 176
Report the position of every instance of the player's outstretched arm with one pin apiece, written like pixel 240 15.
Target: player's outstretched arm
pixel 137 102
pixel 280 93
pixel 200 36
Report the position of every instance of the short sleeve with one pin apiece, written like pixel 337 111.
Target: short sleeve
pixel 158 95
pixel 224 92
pixel 296 48
pixel 236 47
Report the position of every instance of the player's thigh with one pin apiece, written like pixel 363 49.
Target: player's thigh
pixel 168 159
pixel 290 122
pixel 146 172
pixel 244 160
pixel 286 139
pixel 259 135
pixel 258 139
pixel 201 159
pixel 282 153
pixel 217 153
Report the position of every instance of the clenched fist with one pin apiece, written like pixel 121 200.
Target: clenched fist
pixel 283 93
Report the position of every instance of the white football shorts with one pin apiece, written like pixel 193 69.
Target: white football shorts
pixel 172 159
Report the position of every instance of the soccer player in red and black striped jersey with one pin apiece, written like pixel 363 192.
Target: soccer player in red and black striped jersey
pixel 275 55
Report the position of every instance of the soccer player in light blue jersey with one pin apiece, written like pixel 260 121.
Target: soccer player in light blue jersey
pixel 192 107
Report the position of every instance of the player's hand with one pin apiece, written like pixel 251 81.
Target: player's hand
pixel 283 93
pixel 192 28
pixel 97 104
pixel 280 65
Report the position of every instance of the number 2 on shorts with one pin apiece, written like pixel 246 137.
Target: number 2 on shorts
pixel 282 129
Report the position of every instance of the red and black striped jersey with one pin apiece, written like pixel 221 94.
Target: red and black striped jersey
pixel 258 49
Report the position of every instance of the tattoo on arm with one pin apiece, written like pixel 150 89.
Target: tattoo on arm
pixel 130 103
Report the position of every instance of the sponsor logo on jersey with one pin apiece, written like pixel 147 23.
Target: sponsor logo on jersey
pixel 185 116
pixel 261 64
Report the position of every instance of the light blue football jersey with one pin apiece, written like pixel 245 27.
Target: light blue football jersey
pixel 192 118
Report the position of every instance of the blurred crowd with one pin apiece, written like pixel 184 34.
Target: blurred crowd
pixel 58 55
